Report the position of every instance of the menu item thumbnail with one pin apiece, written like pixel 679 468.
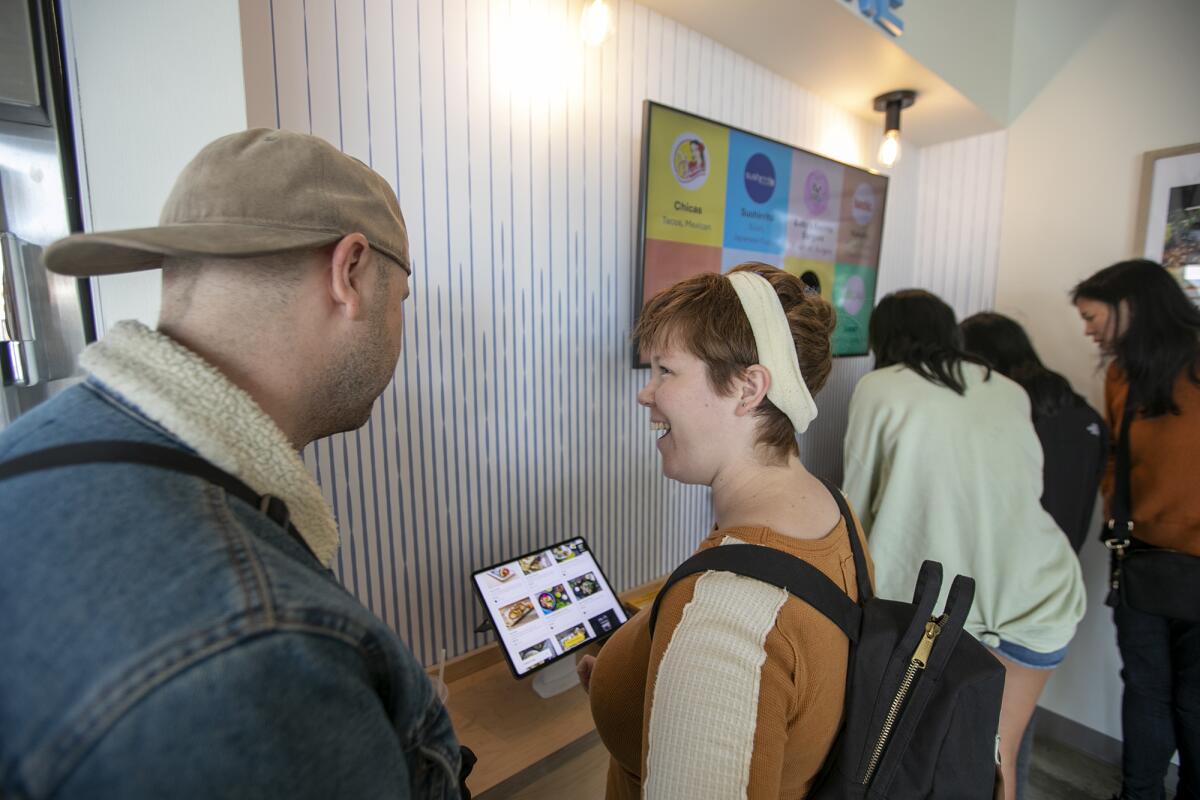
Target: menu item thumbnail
pixel 517 613
pixel 502 574
pixel 553 599
pixel 540 652
pixel 604 623
pixel 531 564
pixel 572 637
pixel 584 585
pixel 568 550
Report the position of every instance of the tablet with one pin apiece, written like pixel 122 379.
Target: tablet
pixel 547 603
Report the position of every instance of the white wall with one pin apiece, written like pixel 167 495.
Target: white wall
pixel 150 84
pixel 968 44
pixel 1071 190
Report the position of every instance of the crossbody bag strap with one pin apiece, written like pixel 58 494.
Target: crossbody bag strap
pixel 1118 530
pixel 159 457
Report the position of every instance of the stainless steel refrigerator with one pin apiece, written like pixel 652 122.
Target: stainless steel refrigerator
pixel 45 319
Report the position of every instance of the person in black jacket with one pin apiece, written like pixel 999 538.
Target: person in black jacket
pixel 1072 433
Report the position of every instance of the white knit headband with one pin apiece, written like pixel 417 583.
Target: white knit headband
pixel 776 350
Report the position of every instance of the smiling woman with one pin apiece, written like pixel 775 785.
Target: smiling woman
pixel 735 360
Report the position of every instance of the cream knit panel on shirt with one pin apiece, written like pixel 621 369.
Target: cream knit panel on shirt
pixel 705 704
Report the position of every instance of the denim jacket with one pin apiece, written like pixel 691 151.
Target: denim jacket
pixel 159 638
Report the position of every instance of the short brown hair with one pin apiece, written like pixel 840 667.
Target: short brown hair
pixel 703 316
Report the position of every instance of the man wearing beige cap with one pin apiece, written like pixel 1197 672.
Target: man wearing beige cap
pixel 169 626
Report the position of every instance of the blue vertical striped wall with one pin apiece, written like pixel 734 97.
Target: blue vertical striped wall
pixel 513 421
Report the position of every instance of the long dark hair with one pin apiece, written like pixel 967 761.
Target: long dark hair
pixel 1162 339
pixel 1003 343
pixel 917 329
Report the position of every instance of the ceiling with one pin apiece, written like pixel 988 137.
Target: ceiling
pixel 819 46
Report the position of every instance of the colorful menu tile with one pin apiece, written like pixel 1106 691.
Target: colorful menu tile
pixel 667 263
pixel 685 187
pixel 853 290
pixel 814 207
pixel 756 207
pixel 817 274
pixel 861 222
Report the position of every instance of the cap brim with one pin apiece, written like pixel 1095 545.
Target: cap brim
pixel 114 252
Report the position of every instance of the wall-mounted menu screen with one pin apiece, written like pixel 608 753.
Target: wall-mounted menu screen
pixel 714 196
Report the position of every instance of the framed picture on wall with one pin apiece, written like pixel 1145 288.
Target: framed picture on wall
pixel 1168 228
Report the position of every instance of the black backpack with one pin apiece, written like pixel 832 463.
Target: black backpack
pixel 922 704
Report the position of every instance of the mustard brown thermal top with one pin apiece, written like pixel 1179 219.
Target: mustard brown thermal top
pixel 1163 452
pixel 740 693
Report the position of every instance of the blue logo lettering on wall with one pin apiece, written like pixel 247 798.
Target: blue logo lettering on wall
pixel 760 178
pixel 881 12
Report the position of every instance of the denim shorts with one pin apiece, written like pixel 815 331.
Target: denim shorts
pixel 1029 658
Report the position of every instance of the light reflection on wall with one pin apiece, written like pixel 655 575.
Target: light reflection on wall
pixel 842 139
pixel 537 52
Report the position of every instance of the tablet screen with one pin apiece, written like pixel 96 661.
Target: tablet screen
pixel 547 603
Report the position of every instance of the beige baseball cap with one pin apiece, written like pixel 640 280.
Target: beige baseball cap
pixel 253 193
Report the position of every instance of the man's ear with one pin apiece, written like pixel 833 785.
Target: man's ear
pixel 348 270
pixel 752 388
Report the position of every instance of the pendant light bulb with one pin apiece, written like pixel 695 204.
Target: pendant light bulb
pixel 891 104
pixel 596 23
pixel 889 148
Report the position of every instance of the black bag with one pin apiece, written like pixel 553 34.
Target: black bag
pixel 922 705
pixel 1152 580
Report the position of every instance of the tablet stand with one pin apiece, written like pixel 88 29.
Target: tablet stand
pixel 556 678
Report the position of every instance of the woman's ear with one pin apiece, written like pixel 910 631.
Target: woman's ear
pixel 752 387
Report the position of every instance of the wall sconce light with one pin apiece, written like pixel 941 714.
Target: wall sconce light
pixel 596 23
pixel 891 103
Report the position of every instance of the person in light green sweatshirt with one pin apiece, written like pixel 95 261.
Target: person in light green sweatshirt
pixel 942 462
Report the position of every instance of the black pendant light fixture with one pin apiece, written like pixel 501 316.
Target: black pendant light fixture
pixel 891 103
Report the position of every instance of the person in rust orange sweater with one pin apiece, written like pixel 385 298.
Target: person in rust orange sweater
pixel 1141 319
pixel 740 692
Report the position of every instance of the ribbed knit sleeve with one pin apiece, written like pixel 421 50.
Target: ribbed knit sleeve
pixel 708 697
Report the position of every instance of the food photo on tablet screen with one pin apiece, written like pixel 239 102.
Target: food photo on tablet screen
pixel 518 613
pixel 539 653
pixel 534 563
pixel 553 599
pixel 568 550
pixel 584 585
pixel 572 637
pixel 503 574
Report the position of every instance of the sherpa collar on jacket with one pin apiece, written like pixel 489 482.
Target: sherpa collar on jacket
pixel 195 402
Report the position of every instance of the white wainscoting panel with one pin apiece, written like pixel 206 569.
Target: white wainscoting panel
pixel 957 242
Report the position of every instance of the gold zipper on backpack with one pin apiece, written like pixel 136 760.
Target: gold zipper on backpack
pixel 920 658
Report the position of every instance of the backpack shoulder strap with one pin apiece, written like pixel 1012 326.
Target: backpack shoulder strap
pixel 766 564
pixel 159 457
pixel 794 575
pixel 861 576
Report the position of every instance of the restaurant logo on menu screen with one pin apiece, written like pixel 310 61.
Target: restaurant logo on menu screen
pixel 863 204
pixel 689 160
pixel 760 178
